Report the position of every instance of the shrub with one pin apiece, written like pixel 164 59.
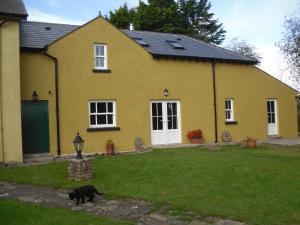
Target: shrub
pixel 195 134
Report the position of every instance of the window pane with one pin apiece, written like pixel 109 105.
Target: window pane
pixel 170 122
pixel 101 50
pixel 92 120
pixel 110 119
pixel 97 62
pixel 159 107
pixel 272 107
pixel 160 123
pixel 268 106
pixel 174 106
pixel 175 124
pixel 154 109
pixel 101 107
pixel 154 123
pixel 101 62
pixel 97 48
pixel 92 107
pixel 169 109
pixel 101 119
pixel 269 118
pixel 110 107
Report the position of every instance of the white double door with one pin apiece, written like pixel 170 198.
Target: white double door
pixel 165 122
pixel 272 117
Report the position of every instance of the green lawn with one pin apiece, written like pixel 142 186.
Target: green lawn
pixel 259 186
pixel 19 213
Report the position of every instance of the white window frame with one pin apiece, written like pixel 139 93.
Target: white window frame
pixel 100 56
pixel 230 110
pixel 114 113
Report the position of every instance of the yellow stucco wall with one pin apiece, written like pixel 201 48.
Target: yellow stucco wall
pixel 250 88
pixel 10 93
pixel 136 79
pixel 38 75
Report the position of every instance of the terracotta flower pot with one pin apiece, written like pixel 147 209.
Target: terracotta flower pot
pixel 196 140
pixel 110 149
pixel 251 143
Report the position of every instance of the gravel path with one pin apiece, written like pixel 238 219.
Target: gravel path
pixel 137 211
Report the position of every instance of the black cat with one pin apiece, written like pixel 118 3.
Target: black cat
pixel 81 192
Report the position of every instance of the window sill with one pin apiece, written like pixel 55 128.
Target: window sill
pixel 96 129
pixel 101 70
pixel 231 122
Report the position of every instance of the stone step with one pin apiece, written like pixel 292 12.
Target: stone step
pixel 37 158
pixel 274 137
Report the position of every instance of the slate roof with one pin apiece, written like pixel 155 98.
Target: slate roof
pixel 13 8
pixel 37 35
pixel 193 48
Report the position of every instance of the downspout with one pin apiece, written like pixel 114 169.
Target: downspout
pixel 56 101
pixel 213 66
pixel 1 116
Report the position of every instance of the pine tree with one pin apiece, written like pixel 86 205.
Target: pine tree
pixel 122 17
pixel 190 17
pixel 199 22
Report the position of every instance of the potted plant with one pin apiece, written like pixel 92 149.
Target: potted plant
pixel 195 136
pixel 249 142
pixel 110 147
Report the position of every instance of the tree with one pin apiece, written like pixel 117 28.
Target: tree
pixel 244 48
pixel 199 22
pixel 122 17
pixel 190 17
pixel 290 45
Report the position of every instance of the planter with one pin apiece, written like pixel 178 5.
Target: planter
pixel 197 140
pixel 251 143
pixel 110 149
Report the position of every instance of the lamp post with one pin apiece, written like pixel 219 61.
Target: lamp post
pixel 78 144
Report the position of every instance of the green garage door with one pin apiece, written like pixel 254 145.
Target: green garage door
pixel 35 127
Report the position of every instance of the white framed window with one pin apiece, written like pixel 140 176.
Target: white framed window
pixel 102 114
pixel 229 114
pixel 100 56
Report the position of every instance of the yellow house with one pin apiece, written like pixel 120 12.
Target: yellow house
pixel 107 83
pixel 11 12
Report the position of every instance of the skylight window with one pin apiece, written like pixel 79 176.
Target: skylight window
pixel 141 42
pixel 175 44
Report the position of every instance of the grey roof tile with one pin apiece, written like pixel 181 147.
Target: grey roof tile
pixel 192 48
pixel 38 35
pixel 13 8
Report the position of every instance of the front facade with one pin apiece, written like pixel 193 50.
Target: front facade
pixel 10 94
pixel 110 84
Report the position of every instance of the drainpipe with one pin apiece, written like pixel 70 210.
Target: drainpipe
pixel 56 101
pixel 1 116
pixel 213 66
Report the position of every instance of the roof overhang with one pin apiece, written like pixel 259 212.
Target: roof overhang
pixel 221 60
pixel 13 16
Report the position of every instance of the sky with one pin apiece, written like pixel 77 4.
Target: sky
pixel 257 21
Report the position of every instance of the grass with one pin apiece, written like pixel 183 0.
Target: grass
pixel 16 213
pixel 259 186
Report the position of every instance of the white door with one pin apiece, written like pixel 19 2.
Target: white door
pixel 165 122
pixel 272 117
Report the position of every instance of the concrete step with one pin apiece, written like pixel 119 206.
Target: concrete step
pixel 274 137
pixel 37 158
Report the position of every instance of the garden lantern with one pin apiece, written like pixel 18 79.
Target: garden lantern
pixel 166 92
pixel 35 96
pixel 78 143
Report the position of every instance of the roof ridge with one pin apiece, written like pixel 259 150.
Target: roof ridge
pixel 152 32
pixel 30 21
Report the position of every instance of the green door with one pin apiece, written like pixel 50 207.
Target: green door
pixel 35 127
